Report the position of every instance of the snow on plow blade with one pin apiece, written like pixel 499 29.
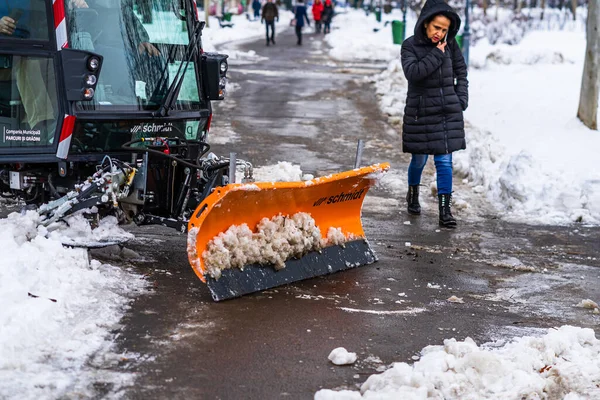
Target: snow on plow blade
pixel 236 235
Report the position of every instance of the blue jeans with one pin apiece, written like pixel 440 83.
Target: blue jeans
pixel 443 167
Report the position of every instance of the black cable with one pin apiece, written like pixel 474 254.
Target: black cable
pixel 126 146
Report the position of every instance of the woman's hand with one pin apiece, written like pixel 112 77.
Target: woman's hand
pixel 442 46
pixel 7 26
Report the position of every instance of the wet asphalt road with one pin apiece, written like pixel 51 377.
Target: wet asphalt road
pixel 297 105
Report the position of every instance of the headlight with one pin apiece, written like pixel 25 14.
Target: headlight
pixel 90 80
pixel 222 83
pixel 223 67
pixel 88 93
pixel 93 63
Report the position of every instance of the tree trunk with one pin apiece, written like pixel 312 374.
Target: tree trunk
pixel 543 6
pixel 206 11
pixel 590 83
pixel 485 6
pixel 497 8
pixel 574 8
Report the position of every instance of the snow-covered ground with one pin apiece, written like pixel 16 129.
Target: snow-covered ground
pixel 58 308
pixel 526 150
pixel 242 30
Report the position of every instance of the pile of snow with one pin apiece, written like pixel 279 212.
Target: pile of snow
pixel 587 303
pixel 529 152
pixel 565 364
pixel 357 37
pixel 341 356
pixel 391 88
pixel 58 309
pixel 283 171
pixel 536 48
pixel 76 230
pixel 276 240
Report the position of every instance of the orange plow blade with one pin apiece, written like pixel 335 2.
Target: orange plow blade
pixel 245 238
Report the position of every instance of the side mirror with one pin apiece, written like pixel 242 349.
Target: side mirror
pixel 81 70
pixel 214 75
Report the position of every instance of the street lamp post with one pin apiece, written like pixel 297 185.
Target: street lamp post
pixel 403 20
pixel 466 34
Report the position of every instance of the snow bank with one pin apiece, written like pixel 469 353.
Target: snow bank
pixel 357 37
pixel 77 231
pixel 565 363
pixel 283 171
pixel 276 240
pixel 58 310
pixel 554 47
pixel 529 153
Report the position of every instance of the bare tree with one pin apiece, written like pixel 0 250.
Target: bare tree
pixel 574 8
pixel 590 83
pixel 497 8
pixel 543 5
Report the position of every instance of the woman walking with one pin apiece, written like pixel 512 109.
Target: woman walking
pixel 437 96
pixel 300 16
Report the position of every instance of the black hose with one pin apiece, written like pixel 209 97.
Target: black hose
pixel 127 146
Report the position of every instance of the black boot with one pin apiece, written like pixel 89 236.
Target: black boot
pixel 446 218
pixel 412 198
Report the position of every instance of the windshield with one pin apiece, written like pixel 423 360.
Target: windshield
pixel 23 19
pixel 143 44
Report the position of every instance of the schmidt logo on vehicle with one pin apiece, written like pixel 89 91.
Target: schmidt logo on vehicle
pixel 152 128
pixel 339 198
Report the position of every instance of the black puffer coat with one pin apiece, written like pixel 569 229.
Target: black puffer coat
pixel 437 88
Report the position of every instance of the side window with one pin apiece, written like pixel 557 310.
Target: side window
pixel 28 101
pixel 23 19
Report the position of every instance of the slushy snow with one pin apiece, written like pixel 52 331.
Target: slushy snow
pixel 563 364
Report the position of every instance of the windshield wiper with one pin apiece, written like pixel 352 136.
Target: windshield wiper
pixel 191 50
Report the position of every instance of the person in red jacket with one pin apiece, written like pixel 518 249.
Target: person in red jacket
pixel 317 10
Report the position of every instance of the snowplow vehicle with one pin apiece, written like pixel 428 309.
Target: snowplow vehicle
pixel 105 109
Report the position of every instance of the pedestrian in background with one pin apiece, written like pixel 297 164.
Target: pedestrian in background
pixel 327 16
pixel 256 7
pixel 299 18
pixel 437 96
pixel 317 11
pixel 269 15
